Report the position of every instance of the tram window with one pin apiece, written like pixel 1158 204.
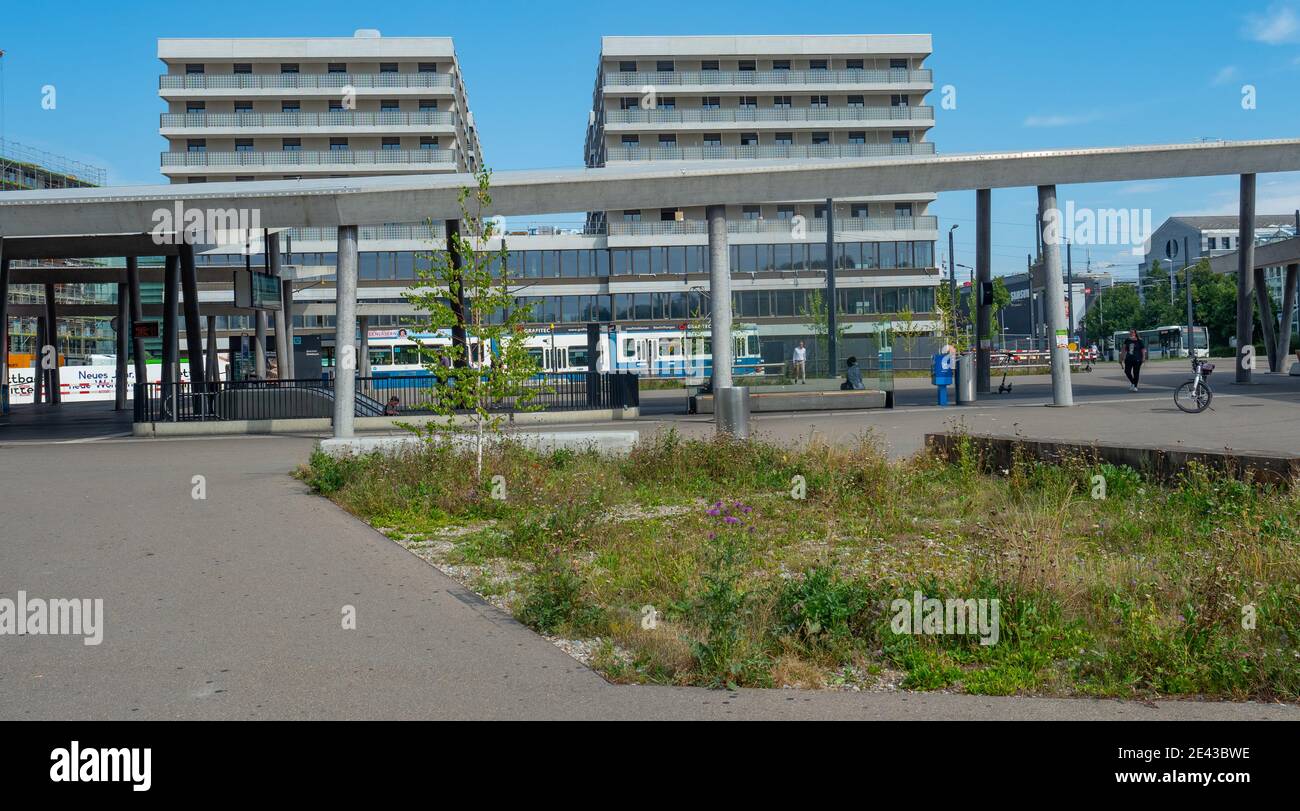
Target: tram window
pixel 407 355
pixel 578 357
pixel 381 357
pixel 670 347
pixel 629 347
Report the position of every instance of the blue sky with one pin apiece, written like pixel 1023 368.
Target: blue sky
pixel 1026 75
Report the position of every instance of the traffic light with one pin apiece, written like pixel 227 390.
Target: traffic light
pixel 986 294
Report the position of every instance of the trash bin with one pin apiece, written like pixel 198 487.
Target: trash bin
pixel 731 410
pixel 965 387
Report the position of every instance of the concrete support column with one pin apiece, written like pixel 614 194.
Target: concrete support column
pixel 123 345
pixel 1245 276
pixel 456 294
pixel 4 316
pixel 983 275
pixel 1282 365
pixel 52 340
pixel 1054 297
pixel 193 322
pixel 363 350
pixel 259 344
pixel 39 386
pixel 171 344
pixel 212 367
pixel 719 297
pixel 137 314
pixel 1266 318
pixel 286 301
pixel 345 333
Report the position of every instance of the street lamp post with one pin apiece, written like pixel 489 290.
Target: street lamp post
pixel 952 282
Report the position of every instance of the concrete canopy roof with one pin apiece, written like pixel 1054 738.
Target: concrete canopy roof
pixel 368 200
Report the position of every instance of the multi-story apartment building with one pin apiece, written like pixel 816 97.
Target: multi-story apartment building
pixel 713 98
pixel 79 337
pixel 270 109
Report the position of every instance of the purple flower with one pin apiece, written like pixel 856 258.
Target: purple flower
pixel 714 512
pixel 731 519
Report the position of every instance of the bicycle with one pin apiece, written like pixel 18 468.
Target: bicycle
pixel 1194 396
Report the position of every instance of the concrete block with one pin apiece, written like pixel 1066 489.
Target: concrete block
pixel 605 442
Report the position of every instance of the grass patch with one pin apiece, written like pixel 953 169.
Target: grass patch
pixel 692 562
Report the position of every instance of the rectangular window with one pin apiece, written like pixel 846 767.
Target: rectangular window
pixel 817 64
pixel 713 139
pixel 627 67
pixel 196 145
pixel 900 137
pixel 783 139
pixel 781 102
pixel 289 106
pixel 193 69
pixel 749 139
pixel 632 215
pixel 888 255
pixel 428 104
pixel 631 140
pixel 819 101
pixel 902 211
pixel 428 142
pixel 780 64
pixel 337 67
pixel 784 212
pixel 751 212
pixel 428 67
pixel 710 102
pixel 853 64
pixel 668 140
pixel 898 64
pixel 856 101
pixel 389 105
pixel 821 138
pixel 387 67
pixel 899 100
pixel 195 106
pixel 243 144
pixel 291 144
pixel 666 103
pixel 243 107
pixel 747 65
pixel 857 137
pixel 858 209
pixel 664 66
pixel 288 67
pixel 338 144
pixel 709 64
pixel 335 106
pixel 747 102
pixel 669 215
pixel 391 142
pixel 242 68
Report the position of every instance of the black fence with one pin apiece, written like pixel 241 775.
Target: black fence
pixel 389 395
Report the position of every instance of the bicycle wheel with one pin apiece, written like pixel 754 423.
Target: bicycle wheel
pixel 1193 397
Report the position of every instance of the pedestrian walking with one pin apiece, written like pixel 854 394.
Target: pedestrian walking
pixel 800 363
pixel 1133 354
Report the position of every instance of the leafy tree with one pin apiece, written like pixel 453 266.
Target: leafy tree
pixel 491 366
pixel 815 311
pixel 1115 308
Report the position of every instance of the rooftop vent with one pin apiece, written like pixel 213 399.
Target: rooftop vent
pixel 366 33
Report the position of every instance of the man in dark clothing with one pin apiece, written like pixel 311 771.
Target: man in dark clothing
pixel 1132 354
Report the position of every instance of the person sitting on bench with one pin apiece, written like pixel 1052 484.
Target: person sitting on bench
pixel 852 376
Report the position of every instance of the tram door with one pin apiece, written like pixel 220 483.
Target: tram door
pixel 647 354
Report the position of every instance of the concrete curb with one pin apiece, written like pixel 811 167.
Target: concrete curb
pixel 325 424
pixel 605 442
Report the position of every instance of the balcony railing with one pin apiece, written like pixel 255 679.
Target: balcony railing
pixel 700 116
pixel 842 224
pixel 705 153
pixel 333 157
pixel 301 81
pixel 344 118
pixel 769 77
pixel 404 231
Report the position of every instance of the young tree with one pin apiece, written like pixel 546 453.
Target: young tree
pixel 814 310
pixel 489 368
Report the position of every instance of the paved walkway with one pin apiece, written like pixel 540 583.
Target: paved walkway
pixel 230 607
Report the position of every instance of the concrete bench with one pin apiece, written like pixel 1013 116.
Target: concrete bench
pixel 793 398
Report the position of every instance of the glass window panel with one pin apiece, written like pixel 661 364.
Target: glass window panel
pixel 888 256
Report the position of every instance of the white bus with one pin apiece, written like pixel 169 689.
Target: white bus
pixel 1168 341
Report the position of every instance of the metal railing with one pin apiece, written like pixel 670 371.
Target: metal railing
pixel 399 231
pixel 678 153
pixel 229 400
pixel 768 114
pixel 769 77
pixel 335 118
pixel 333 157
pixel 921 223
pixel 302 81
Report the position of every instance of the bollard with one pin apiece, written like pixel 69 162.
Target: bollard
pixel 731 410
pixel 965 387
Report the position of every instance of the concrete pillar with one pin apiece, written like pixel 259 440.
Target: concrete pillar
pixel 1266 318
pixel 4 316
pixel 212 367
pixel 38 374
pixel 1054 297
pixel 456 294
pixel 259 344
pixel 171 280
pixel 1245 277
pixel 983 275
pixel 137 314
pixel 1282 364
pixel 286 301
pixel 123 345
pixel 345 332
pixel 832 326
pixel 363 351
pixel 52 339
pixel 193 322
pixel 720 297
